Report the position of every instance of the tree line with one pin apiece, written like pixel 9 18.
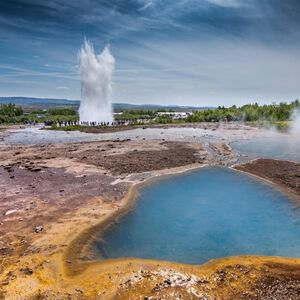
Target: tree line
pixel 246 113
pixel 10 113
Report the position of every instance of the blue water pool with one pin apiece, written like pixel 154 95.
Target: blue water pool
pixel 280 146
pixel 205 214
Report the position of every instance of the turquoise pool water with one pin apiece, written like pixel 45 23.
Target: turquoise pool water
pixel 280 146
pixel 205 214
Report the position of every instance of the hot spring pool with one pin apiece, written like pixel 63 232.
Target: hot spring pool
pixel 279 146
pixel 205 214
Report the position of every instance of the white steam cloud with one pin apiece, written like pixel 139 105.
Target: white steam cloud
pixel 96 84
pixel 295 128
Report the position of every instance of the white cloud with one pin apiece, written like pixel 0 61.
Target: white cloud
pixel 227 3
pixel 62 88
pixel 147 5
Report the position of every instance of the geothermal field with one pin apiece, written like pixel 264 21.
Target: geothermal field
pixel 151 212
pixel 176 173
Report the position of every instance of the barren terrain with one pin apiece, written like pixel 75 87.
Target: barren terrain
pixel 55 197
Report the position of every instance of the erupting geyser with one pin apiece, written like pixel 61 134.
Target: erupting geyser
pixel 96 84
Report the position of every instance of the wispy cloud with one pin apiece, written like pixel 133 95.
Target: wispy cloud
pixel 14 71
pixel 146 5
pixel 228 3
pixel 62 88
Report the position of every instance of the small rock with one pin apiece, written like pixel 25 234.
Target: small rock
pixel 79 290
pixel 9 212
pixel 38 229
pixel 27 271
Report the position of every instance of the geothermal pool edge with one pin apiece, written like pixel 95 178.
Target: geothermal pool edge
pixel 77 247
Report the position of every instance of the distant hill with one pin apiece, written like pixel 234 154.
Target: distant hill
pixel 123 106
pixel 24 101
pixel 44 103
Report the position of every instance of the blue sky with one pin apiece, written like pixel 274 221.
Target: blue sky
pixel 189 52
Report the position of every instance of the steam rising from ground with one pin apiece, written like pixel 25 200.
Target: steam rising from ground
pixel 96 84
pixel 295 128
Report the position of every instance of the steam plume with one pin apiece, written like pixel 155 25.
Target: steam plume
pixel 96 84
pixel 295 128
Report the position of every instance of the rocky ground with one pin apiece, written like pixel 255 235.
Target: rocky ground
pixel 231 279
pixel 53 197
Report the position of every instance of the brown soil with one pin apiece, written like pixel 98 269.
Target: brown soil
pixel 171 154
pixel 277 281
pixel 285 174
pixel 41 195
pixel 108 129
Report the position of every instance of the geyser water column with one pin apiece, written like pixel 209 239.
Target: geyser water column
pixel 96 84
